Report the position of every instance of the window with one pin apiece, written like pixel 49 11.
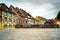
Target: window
pixel 5 19
pixel 5 14
pixel 13 25
pixel 14 20
pixel 7 9
pixel 28 16
pixel 13 15
pixel 0 5
pixel 10 26
pixel 0 18
pixel 10 14
pixel 0 13
pixel 10 20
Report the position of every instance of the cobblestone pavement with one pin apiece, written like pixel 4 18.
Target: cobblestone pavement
pixel 30 34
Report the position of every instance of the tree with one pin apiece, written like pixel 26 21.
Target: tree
pixel 58 16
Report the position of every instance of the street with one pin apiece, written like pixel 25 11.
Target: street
pixel 30 34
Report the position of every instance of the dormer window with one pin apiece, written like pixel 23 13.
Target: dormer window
pixel 6 9
pixel 28 16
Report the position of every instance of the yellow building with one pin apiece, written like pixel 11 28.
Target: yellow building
pixel 58 18
pixel 7 19
pixel 40 20
pixel 58 22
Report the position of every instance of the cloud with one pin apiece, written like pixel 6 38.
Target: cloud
pixel 56 3
pixel 44 8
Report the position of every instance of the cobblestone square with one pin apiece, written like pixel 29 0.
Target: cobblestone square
pixel 30 34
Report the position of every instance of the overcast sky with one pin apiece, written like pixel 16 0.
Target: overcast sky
pixel 45 8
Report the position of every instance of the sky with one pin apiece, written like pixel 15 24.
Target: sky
pixel 44 8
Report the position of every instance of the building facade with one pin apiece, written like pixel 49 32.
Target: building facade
pixel 7 18
pixel 40 20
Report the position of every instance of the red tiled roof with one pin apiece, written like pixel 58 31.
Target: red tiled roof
pixel 19 11
pixel 12 9
pixel 3 7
